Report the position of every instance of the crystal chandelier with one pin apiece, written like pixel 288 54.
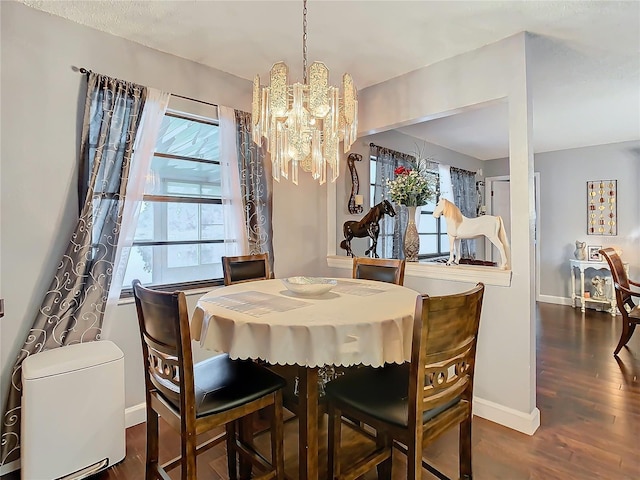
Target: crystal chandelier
pixel 304 123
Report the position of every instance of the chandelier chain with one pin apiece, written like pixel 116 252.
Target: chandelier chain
pixel 304 43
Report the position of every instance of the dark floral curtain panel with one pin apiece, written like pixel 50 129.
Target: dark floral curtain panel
pixel 465 197
pixel 73 308
pixel 391 237
pixel 256 185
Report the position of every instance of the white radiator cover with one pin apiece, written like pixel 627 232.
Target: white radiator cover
pixel 72 411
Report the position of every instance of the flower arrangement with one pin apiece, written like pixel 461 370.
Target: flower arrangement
pixel 412 187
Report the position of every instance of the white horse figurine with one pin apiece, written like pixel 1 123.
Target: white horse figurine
pixel 459 227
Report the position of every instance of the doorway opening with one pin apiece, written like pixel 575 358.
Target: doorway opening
pixel 498 202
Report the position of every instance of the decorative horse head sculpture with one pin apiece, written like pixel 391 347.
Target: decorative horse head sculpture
pixel 367 227
pixel 459 227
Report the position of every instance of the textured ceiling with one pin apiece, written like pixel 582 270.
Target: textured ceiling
pixel 586 55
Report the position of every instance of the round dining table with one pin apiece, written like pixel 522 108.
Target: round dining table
pixel 357 322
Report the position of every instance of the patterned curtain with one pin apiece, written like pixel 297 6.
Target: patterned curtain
pixel 465 196
pixel 73 308
pixel 392 229
pixel 257 189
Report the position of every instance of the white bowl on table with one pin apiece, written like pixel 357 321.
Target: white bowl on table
pixel 309 286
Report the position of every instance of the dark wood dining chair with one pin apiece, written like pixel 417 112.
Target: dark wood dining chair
pixel 195 399
pixel 388 270
pixel 410 405
pixel 246 268
pixel 629 310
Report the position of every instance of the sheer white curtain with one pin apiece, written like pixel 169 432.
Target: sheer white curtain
pixel 446 187
pixel 152 115
pixel 235 229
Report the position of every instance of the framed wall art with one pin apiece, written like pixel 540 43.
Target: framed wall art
pixel 602 218
pixel 593 253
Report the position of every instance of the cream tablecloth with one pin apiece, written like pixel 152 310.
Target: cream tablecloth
pixel 358 321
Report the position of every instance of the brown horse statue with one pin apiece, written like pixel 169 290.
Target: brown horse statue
pixel 367 227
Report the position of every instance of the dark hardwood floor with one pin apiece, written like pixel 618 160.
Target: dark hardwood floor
pixel 589 403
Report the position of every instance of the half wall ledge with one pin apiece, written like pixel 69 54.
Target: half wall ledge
pixel 440 271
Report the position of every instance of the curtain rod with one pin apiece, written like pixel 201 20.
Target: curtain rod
pixel 430 161
pixel 86 71
pixel 391 151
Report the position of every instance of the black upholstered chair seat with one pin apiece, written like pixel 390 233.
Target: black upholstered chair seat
pixel 381 393
pixel 222 384
pixel 235 383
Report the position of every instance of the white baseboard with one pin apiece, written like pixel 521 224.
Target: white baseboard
pixel 135 415
pixel 514 419
pixel 7 468
pixel 494 412
pixel 555 300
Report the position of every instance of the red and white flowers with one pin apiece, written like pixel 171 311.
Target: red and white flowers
pixel 411 188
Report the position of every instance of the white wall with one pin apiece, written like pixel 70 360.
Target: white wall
pixel 42 107
pixel 505 375
pixel 563 204
pixel 496 168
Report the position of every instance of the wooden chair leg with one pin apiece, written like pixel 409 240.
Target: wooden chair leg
pixel 383 440
pixel 232 453
pixel 152 445
pixel 627 331
pixel 151 470
pixel 189 446
pixel 414 458
pixel 277 436
pixel 465 450
pixel 334 433
pixel 246 436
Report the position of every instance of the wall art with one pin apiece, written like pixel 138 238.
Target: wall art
pixel 602 218
pixel 593 253
pixel 355 200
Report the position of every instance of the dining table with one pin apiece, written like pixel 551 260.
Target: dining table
pixel 357 322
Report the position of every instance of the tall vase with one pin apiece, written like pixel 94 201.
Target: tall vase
pixel 411 237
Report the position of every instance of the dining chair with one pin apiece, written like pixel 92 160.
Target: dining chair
pixel 246 268
pixel 194 399
pixel 411 404
pixel 388 270
pixel 629 310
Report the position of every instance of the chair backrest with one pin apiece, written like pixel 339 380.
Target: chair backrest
pixel 246 268
pixel 619 276
pixel 166 344
pixel 388 270
pixel 445 334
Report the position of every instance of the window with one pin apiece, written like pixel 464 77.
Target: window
pixel 179 238
pixel 434 241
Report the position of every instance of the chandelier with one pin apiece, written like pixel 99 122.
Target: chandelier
pixel 304 123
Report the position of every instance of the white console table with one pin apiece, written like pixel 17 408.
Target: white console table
pixel 609 295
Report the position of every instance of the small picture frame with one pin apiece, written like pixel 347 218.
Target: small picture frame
pixel 593 253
